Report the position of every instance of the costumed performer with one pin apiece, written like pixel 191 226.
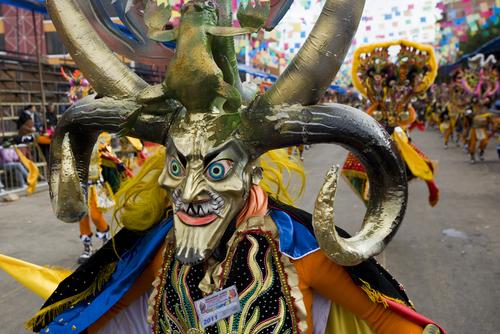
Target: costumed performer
pixel 480 80
pixel 204 248
pixel 79 86
pixel 106 171
pixel 390 87
pixel 452 114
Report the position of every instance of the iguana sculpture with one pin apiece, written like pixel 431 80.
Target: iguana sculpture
pixel 196 62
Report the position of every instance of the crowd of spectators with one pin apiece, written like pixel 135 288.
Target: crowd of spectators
pixel 31 128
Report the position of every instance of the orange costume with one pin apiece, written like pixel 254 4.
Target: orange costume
pixel 354 305
pixel 327 278
pixel 103 181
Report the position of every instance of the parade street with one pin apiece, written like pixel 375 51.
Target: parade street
pixel 447 257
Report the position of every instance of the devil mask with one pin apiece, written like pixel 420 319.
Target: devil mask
pixel 213 130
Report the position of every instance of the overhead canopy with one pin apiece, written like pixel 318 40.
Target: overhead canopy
pixel 33 5
pixel 492 47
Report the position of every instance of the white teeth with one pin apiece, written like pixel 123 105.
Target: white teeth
pixel 201 209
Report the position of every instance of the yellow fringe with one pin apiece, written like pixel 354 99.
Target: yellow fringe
pixel 280 173
pixel 51 311
pixel 378 297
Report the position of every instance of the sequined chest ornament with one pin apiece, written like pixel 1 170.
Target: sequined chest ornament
pixel 257 269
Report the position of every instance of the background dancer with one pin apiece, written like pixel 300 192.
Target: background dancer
pixel 390 86
pixel 105 174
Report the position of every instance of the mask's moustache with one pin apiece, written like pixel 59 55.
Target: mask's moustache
pixel 196 243
pixel 213 205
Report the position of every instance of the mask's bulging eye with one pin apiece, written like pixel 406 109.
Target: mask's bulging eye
pixel 176 168
pixel 218 170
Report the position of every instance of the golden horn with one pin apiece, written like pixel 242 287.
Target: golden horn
pixel 379 225
pixel 314 67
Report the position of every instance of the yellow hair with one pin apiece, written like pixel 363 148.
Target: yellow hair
pixel 141 202
pixel 279 176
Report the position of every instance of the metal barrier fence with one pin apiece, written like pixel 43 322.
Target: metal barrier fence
pixel 13 175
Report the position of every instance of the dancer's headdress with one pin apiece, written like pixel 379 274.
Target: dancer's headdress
pixel 480 78
pixel 203 121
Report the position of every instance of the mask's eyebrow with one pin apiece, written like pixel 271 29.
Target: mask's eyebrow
pixel 172 150
pixel 210 156
pixel 182 159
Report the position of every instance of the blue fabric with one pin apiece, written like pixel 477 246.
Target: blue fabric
pixel 296 240
pixel 128 269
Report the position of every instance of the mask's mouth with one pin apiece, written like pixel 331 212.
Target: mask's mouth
pixel 198 213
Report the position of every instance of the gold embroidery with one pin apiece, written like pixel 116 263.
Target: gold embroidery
pixel 246 321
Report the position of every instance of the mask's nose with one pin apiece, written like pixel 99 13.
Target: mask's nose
pixel 194 186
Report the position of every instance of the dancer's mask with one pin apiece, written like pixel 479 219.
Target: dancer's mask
pixel 211 152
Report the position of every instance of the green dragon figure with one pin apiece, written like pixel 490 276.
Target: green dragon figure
pixel 205 60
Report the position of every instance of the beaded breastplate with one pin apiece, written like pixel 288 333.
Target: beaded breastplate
pixel 257 269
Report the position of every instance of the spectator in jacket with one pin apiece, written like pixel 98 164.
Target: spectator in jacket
pixel 51 117
pixel 29 121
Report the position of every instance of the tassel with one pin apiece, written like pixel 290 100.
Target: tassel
pixel 377 296
pixel 43 317
pixel 433 192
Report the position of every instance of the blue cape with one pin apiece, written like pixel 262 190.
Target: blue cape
pixel 296 241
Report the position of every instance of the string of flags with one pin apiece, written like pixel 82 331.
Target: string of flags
pixel 442 23
pixel 461 17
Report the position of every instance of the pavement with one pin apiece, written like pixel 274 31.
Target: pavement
pixel 447 257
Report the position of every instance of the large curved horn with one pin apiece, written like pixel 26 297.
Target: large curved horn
pixel 106 73
pixel 134 44
pixel 314 67
pixel 360 134
pixel 76 135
